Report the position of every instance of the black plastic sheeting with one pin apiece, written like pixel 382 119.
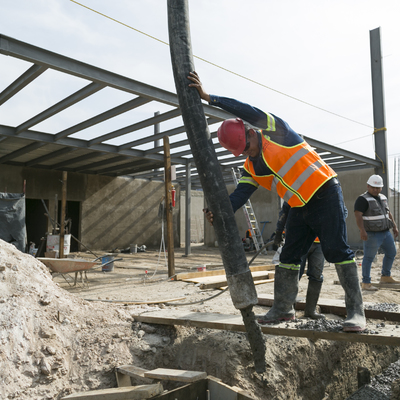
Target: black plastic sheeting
pixel 12 219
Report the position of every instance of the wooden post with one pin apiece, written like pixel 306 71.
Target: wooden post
pixel 55 227
pixel 63 207
pixel 168 207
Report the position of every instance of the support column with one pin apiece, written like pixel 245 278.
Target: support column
pixel 168 207
pixel 188 219
pixel 379 109
pixel 63 208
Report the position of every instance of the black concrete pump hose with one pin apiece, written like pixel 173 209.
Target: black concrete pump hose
pixel 238 274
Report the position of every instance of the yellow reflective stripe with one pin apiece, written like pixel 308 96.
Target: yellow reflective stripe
pixel 293 267
pixel 249 180
pixel 346 262
pixel 271 122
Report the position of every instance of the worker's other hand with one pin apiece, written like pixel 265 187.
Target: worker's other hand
pixel 278 238
pixel 194 77
pixel 395 231
pixel 363 235
pixel 209 215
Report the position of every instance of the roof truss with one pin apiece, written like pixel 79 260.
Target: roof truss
pixel 128 150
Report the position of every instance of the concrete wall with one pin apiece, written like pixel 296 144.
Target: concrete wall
pixel 115 212
pixel 266 206
pixel 196 216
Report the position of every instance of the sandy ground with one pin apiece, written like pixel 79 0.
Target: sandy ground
pixel 55 342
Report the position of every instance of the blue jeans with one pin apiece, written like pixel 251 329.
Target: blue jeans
pixel 371 245
pixel 316 260
pixel 323 216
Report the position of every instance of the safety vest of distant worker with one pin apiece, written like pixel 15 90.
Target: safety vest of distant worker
pixel 376 218
pixel 298 171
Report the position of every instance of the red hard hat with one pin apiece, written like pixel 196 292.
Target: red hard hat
pixel 232 136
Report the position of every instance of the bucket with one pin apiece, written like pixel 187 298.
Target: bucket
pixel 53 241
pixel 110 266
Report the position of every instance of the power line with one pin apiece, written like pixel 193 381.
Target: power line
pixel 352 140
pixel 227 70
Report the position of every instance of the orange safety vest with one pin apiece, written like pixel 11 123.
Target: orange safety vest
pixel 298 171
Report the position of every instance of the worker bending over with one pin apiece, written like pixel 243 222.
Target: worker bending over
pixel 279 159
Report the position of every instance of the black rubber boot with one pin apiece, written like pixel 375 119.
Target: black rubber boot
pixel 286 286
pixel 348 276
pixel 313 291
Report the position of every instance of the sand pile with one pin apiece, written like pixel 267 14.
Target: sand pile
pixel 52 342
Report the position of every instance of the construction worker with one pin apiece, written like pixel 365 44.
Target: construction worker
pixel 279 159
pixel 374 220
pixel 315 260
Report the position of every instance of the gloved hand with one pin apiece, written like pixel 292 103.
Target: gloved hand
pixel 278 238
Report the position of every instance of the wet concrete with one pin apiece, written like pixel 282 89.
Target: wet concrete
pixel 255 338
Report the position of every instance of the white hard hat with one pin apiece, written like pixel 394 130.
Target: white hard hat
pixel 375 181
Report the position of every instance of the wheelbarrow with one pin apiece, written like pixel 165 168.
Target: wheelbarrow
pixel 68 265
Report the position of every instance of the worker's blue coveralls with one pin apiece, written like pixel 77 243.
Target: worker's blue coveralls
pixel 322 216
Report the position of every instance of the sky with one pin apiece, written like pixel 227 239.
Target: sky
pixel 306 61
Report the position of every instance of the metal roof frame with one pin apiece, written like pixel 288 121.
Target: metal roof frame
pixel 23 146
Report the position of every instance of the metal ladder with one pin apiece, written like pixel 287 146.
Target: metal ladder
pixel 249 215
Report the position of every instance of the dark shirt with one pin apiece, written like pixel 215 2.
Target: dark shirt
pixel 361 203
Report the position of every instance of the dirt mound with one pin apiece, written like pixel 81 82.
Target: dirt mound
pixel 54 343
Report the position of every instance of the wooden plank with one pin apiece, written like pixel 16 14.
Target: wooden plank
pixel 193 391
pixel 388 335
pixel 175 375
pixel 333 306
pixel 122 379
pixel 131 371
pixel 200 274
pixel 219 390
pixel 123 393
pixel 210 282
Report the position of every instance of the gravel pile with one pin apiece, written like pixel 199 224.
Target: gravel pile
pixel 383 387
pixel 321 325
pixel 387 307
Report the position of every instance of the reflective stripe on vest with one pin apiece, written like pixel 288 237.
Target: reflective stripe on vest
pixel 298 171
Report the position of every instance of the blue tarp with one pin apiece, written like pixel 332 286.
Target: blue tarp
pixel 12 219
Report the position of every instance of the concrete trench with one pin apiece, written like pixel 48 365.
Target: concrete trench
pixel 296 368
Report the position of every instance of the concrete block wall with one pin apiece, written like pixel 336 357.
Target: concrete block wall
pixel 121 211
pixel 114 211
